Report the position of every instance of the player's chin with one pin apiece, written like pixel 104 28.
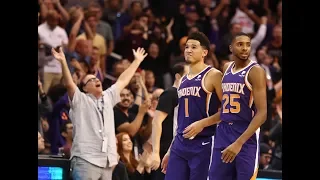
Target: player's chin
pixel 188 61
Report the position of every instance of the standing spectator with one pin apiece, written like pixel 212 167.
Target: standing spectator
pixel 52 36
pixel 94 143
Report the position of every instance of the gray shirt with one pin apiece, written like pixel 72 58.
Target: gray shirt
pixel 94 138
pixel 105 30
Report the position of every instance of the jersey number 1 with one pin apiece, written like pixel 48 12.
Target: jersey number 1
pixel 186 107
pixel 234 105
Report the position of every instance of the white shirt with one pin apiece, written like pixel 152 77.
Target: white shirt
pixel 53 38
pixel 242 18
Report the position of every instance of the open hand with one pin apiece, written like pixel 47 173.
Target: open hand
pixel 58 55
pixel 164 163
pixel 155 161
pixel 139 54
pixel 230 153
pixel 192 130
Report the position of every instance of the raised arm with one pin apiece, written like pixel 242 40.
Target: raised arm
pixel 126 76
pixel 69 84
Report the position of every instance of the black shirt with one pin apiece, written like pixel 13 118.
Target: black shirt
pixel 120 118
pixel 120 172
pixel 167 102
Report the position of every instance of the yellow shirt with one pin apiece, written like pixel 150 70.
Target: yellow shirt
pixel 98 41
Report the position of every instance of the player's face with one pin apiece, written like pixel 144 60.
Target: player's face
pixel 125 96
pixel 92 84
pixel 193 52
pixel 126 143
pixel 241 47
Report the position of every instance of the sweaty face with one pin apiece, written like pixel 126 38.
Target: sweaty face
pixel 92 84
pixel 125 97
pixel 241 47
pixel 193 52
pixel 126 143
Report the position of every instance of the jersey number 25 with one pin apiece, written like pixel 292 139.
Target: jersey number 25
pixel 234 105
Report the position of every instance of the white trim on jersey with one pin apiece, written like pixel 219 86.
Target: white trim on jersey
pixel 246 78
pixel 212 146
pixel 196 74
pixel 202 81
pixel 256 163
pixel 241 68
pixel 175 120
pixel 226 70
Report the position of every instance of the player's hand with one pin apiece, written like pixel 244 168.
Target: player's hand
pixel 155 161
pixel 58 54
pixel 164 163
pixel 230 153
pixel 139 54
pixel 192 130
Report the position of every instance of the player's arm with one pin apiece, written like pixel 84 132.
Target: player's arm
pixel 126 76
pixel 257 78
pixel 159 117
pixel 213 79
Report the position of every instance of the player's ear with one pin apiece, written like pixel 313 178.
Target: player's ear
pixel 230 48
pixel 205 53
pixel 177 76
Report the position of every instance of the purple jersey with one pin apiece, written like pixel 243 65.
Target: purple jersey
pixel 237 111
pixel 195 103
pixel 237 98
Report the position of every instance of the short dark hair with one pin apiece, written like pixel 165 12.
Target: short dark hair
pixel 201 37
pixel 178 68
pixel 240 34
pixel 64 126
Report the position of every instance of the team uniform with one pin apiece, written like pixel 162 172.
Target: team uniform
pixel 237 112
pixel 190 159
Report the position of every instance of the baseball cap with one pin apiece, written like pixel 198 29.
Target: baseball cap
pixel 265 149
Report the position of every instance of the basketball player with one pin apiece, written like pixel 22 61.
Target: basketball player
pixel 189 159
pixel 236 143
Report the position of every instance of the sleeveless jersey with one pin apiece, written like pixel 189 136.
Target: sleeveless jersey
pixel 237 99
pixel 196 103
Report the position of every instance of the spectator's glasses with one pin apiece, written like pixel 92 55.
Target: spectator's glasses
pixel 91 80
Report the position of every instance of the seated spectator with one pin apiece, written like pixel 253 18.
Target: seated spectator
pixel 137 169
pixel 265 156
pixel 66 133
pixel 40 143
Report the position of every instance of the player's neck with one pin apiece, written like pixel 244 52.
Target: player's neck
pixel 240 63
pixel 196 68
pixel 176 83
